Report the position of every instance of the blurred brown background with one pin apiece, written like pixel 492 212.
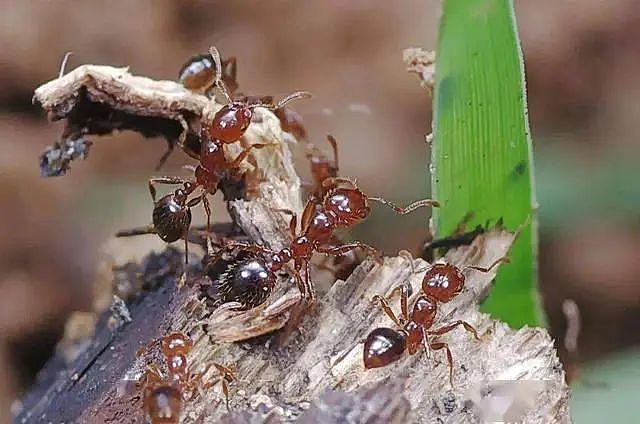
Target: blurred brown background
pixel 582 60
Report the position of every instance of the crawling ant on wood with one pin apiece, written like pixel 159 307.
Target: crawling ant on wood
pixel 441 283
pixel 343 205
pixel 164 395
pixel 172 213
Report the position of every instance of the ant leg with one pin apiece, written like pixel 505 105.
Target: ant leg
pixel 149 229
pixel 334 146
pixel 442 345
pixel 404 300
pixel 308 286
pixel 164 156
pixel 151 375
pixel 410 208
pixel 144 349
pixel 226 372
pixel 307 213
pixel 245 152
pixel 227 376
pixel 341 250
pixel 442 330
pixel 207 211
pixel 384 305
pixel 250 247
pixel 182 138
pixel 504 260
pixel 183 278
pixel 425 344
pixel 293 223
pixel 163 180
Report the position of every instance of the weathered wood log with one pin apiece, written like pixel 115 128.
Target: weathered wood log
pixel 296 364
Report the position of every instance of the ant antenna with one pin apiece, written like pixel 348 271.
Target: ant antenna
pixel 64 63
pixel 409 258
pixel 215 54
pixel 503 260
pixel 402 211
pixel 334 146
pixel 282 102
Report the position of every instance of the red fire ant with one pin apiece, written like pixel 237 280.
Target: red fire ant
pixel 164 395
pixel 341 207
pixel 441 283
pixel 172 213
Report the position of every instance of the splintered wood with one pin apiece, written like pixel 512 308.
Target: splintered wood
pixel 295 364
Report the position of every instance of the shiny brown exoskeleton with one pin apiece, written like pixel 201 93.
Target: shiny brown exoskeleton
pixel 200 73
pixel 343 205
pixel 244 279
pixel 164 395
pixel 172 213
pixel 440 284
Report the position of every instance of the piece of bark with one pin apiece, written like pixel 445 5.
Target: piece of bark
pixel 291 374
pixel 423 63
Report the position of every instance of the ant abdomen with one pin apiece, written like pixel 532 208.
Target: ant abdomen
pixel 246 280
pixel 383 346
pixel 171 218
pixel 199 73
pixel 163 404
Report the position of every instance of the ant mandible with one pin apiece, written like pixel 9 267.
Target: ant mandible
pixel 441 283
pixel 343 206
pixel 164 395
pixel 172 213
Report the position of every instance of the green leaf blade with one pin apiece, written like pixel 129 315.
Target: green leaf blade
pixel 482 154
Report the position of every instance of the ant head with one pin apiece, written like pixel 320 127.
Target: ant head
pixel 348 205
pixel 443 282
pixel 171 216
pixel 176 344
pixel 230 123
pixel 383 346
